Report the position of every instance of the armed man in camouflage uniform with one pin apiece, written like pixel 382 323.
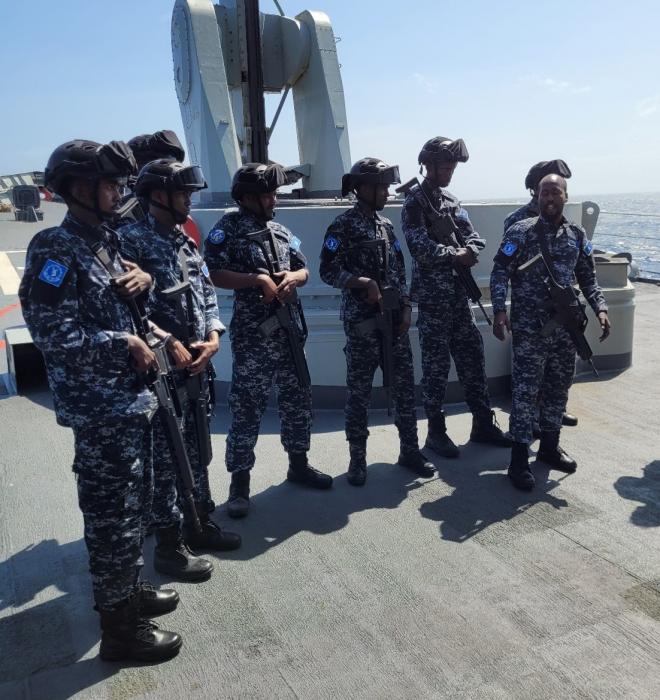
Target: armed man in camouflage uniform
pixel 161 248
pixel 93 355
pixel 543 362
pixel 351 262
pixel 260 358
pixel 529 211
pixel 446 323
pixel 145 148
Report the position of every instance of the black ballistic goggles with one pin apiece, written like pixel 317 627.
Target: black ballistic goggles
pixel 189 178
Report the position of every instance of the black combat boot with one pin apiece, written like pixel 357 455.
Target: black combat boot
pixel 128 637
pixel 357 467
pixel 438 440
pixel 154 601
pixel 416 462
pixel 568 419
pixel 173 558
pixel 485 429
pixel 302 472
pixel 211 537
pixel 519 472
pixel 553 455
pixel 238 503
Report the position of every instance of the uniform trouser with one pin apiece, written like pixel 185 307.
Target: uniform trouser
pixel 363 356
pixel 447 330
pixel 258 363
pixel 115 487
pixel 543 370
pixel 168 506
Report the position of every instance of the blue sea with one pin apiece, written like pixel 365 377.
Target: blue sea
pixel 627 222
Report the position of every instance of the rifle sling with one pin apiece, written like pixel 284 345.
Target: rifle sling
pixel 545 251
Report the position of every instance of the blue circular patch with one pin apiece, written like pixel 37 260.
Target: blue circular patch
pixel 462 214
pixel 331 243
pixel 217 236
pixel 509 248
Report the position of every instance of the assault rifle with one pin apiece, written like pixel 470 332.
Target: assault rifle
pixel 443 230
pixel 384 321
pixel 160 379
pixel 568 311
pixel 197 385
pixel 286 315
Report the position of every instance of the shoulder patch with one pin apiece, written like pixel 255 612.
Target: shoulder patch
pixel 509 248
pixel 462 214
pixel 205 270
pixel 588 246
pixel 53 273
pixel 331 243
pixel 295 243
pixel 396 245
pixel 217 236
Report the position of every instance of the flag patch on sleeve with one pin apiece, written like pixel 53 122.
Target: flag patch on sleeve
pixel 53 273
pixel 509 248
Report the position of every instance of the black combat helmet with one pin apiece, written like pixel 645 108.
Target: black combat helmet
pixel 87 160
pixel 171 176
pixel 369 171
pixel 546 167
pixel 162 144
pixel 442 149
pixel 257 178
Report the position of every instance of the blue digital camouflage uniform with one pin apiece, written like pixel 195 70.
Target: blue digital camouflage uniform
pixel 527 211
pixel 342 257
pixel 81 327
pixel 156 250
pixel 446 323
pixel 258 361
pixel 543 367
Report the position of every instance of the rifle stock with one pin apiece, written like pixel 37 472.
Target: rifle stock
pixel 289 315
pixel 442 228
pixel 385 320
pixel 194 384
pixel 569 311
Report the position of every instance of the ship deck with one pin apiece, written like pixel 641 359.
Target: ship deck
pixel 455 587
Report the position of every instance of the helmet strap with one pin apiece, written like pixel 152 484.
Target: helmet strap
pixel 179 217
pixel 96 207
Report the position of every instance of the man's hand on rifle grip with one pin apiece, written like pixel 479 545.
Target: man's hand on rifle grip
pixel 268 287
pixel 465 257
pixel 406 319
pixel 500 323
pixel 134 281
pixel 373 293
pixel 142 356
pixel 287 281
pixel 178 353
pixel 206 350
pixel 605 325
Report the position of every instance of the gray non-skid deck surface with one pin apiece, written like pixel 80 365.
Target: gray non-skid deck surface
pixel 453 587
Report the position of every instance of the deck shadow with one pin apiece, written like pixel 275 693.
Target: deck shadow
pixel 646 490
pixel 283 510
pixel 482 494
pixel 42 644
pixel 42 647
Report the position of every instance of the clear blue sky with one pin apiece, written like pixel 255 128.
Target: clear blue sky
pixel 519 81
